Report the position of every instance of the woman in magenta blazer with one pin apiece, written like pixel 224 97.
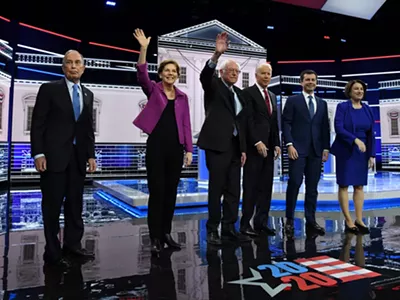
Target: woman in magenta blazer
pixel 166 120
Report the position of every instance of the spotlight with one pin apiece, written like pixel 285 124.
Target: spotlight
pixel 270 27
pixel 111 3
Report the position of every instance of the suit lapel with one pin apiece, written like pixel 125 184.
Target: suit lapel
pixel 227 95
pixel 319 107
pixel 304 106
pixel 66 98
pixel 260 99
pixel 273 100
pixel 85 100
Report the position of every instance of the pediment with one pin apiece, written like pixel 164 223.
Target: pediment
pixel 208 31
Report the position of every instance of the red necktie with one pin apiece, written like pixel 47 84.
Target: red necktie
pixel 267 101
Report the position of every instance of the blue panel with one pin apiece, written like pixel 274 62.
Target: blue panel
pixel 203 171
pixel 112 160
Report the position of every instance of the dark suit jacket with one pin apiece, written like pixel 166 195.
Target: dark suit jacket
pixel 260 125
pixel 301 130
pixel 217 131
pixel 54 127
pixel 345 129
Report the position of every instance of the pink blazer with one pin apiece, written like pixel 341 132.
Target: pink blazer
pixel 157 101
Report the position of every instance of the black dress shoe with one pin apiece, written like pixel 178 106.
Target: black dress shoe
pixel 214 239
pixel 362 229
pixel 155 246
pixel 234 236
pixel 248 231
pixel 315 228
pixel 60 264
pixel 171 243
pixel 81 253
pixel 352 229
pixel 266 230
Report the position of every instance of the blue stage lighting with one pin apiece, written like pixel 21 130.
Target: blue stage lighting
pixel 111 3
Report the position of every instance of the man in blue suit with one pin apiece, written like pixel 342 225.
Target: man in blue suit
pixel 307 136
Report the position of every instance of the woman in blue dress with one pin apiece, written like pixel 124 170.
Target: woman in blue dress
pixel 354 149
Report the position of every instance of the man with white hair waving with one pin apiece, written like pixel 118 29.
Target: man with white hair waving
pixel 223 139
pixel 263 147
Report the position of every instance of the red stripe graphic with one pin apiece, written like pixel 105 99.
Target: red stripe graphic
pixel 337 269
pixel 316 4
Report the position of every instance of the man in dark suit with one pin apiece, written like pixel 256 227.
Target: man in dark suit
pixel 263 147
pixel 306 133
pixel 62 143
pixel 223 139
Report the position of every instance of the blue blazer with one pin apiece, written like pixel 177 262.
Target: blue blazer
pixel 298 127
pixel 345 129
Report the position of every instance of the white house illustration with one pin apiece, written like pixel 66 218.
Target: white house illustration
pixel 191 47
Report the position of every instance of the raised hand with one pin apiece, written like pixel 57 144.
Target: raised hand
pixel 221 43
pixel 141 38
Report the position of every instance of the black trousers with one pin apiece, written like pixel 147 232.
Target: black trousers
pixel 164 167
pixel 57 186
pixel 224 180
pixel 258 177
pixel 310 167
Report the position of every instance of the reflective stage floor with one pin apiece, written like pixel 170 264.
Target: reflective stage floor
pixel 382 191
pixel 335 266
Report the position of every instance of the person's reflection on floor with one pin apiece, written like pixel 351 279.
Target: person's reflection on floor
pixel 230 272
pixel 251 259
pixel 161 283
pixel 310 249
pixel 65 285
pixel 359 289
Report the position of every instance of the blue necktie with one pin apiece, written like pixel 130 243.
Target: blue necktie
pixel 75 102
pixel 311 107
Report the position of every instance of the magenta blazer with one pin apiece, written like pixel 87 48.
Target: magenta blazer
pixel 157 101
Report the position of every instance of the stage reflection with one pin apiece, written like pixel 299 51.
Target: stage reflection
pixel 335 266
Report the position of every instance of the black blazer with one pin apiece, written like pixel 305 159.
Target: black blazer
pixel 217 131
pixel 301 130
pixel 54 127
pixel 260 125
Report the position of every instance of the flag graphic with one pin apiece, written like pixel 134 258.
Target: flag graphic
pixel 337 269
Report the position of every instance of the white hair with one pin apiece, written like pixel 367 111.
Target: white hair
pixel 227 61
pixel 264 64
pixel 70 51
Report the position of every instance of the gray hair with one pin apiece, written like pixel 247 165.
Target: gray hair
pixel 264 64
pixel 70 51
pixel 227 61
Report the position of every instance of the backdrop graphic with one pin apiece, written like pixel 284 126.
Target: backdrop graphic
pixel 4 100
pixel 120 146
pixel 390 133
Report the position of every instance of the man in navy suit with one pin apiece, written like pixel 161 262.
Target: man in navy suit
pixel 307 136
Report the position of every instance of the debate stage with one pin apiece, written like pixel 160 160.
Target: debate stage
pixel 132 195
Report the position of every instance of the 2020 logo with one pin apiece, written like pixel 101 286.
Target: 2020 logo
pixel 326 271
